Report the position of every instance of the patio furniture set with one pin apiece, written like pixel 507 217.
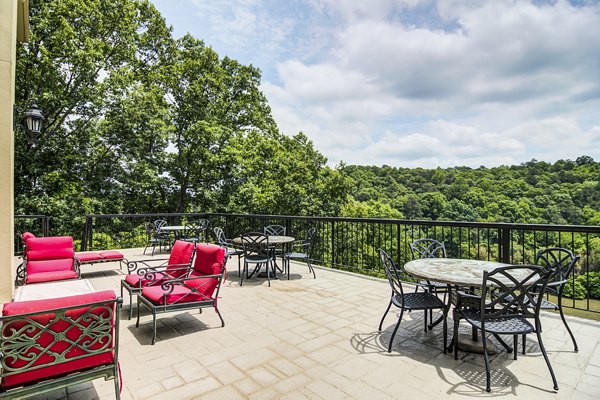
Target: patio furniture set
pixel 59 331
pixel 492 298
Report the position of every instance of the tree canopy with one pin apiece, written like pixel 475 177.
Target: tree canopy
pixel 139 121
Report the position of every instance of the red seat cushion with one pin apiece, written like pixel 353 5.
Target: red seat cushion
pixel 51 276
pixel 181 253
pixel 180 294
pixel 112 254
pixel 87 257
pixel 44 339
pixel 35 267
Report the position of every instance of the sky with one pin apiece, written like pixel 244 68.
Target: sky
pixel 418 83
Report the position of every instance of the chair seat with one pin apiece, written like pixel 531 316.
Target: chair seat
pixel 234 252
pixel 418 301
pixel 87 257
pixel 510 325
pixel 180 294
pixel 297 255
pixel 112 254
pixel 257 258
pixel 51 276
pixel 548 305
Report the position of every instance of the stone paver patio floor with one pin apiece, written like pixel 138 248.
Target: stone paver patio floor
pixel 317 339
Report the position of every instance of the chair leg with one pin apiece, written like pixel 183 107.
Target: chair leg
pixel 385 313
pixel 455 334
pixel 117 383
pixel 145 249
pixel 242 275
pixel 515 344
pixel 445 330
pixel 220 317
pixel 486 361
pixel 310 268
pixel 137 321
pixel 539 338
pixel 425 320
pixel 524 338
pixel 564 320
pixel 268 273
pixel 395 330
pixel 131 304
pixel 153 326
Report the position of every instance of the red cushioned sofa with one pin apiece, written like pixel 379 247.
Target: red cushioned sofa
pixel 200 289
pixel 55 343
pixel 89 257
pixel 48 259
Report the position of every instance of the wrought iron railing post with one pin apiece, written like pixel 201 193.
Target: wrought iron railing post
pixel 505 246
pixel 332 244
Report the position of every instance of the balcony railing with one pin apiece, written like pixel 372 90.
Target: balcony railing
pixel 351 243
pixel 39 225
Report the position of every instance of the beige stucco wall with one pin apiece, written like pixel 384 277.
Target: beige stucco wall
pixel 8 40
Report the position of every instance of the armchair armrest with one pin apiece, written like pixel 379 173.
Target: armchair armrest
pixel 153 275
pixel 132 266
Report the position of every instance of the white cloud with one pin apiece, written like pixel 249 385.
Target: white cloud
pixel 504 81
pixel 421 82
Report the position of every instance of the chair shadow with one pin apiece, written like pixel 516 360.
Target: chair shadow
pixel 427 347
pixel 167 327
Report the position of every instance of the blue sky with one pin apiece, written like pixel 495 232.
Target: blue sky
pixel 418 83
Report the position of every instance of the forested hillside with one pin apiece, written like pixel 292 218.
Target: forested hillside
pixel 565 192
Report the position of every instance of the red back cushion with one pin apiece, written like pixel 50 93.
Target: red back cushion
pixel 209 261
pixel 41 348
pixel 49 248
pixel 181 253
pixel 26 236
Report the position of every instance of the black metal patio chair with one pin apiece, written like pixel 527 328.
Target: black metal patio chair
pixel 195 231
pixel 231 250
pixel 258 253
pixel 301 250
pixel 509 311
pixel 561 262
pixel 416 301
pixel 430 248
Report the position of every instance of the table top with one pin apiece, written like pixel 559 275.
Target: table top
pixel 272 240
pixel 456 271
pixel 51 290
pixel 173 228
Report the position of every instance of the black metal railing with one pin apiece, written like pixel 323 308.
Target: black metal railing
pixel 39 225
pixel 351 243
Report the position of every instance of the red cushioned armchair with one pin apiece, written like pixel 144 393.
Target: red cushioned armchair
pixel 158 270
pixel 200 289
pixel 55 343
pixel 48 259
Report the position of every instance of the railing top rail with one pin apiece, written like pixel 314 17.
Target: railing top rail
pixel 497 225
pixel 31 216
pixel 144 215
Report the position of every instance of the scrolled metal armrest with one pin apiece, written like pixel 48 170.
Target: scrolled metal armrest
pixel 132 266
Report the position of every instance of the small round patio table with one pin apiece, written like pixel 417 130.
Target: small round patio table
pixel 273 241
pixel 460 273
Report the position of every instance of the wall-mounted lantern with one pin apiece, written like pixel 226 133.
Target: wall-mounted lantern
pixel 32 121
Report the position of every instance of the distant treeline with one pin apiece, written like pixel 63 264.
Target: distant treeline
pixel 564 192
